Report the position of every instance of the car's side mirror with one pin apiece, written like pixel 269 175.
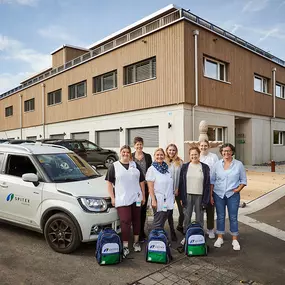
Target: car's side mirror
pixel 31 177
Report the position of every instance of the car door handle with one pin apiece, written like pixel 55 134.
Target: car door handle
pixel 3 185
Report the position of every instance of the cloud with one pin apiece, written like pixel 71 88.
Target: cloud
pixel 17 53
pixel 54 32
pixel 20 2
pixel 271 33
pixel 255 5
pixel 235 28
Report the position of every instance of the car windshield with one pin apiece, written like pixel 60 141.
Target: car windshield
pixel 66 167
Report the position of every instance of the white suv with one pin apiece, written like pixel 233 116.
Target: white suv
pixel 50 189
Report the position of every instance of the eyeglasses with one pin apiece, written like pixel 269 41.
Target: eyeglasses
pixel 227 151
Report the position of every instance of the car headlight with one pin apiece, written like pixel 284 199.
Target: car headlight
pixel 92 204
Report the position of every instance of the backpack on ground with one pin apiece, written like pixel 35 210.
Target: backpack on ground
pixel 157 248
pixel 195 242
pixel 109 247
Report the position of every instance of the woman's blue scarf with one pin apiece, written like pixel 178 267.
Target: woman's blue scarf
pixel 162 168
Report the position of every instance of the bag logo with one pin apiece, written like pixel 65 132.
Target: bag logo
pixel 196 239
pixel 155 245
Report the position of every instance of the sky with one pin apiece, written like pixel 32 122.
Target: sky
pixel 31 29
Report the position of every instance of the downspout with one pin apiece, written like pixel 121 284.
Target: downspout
pixel 43 110
pixel 195 34
pixel 21 117
pixel 273 110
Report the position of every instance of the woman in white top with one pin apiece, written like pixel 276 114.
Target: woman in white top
pixel 210 159
pixel 160 185
pixel 126 177
pixel 174 163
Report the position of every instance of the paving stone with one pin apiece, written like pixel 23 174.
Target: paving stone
pixel 148 281
pixel 192 277
pixel 157 276
pixel 194 267
pixel 183 282
pixel 174 277
pixel 167 281
pixel 165 273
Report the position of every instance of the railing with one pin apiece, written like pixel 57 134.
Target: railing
pixel 150 27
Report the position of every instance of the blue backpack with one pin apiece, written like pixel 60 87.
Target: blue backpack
pixel 109 247
pixel 157 248
pixel 195 242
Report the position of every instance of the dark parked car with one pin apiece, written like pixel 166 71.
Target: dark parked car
pixel 92 153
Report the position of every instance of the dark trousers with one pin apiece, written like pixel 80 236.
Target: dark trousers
pixel 210 217
pixel 129 215
pixel 143 211
pixel 159 219
pixel 181 215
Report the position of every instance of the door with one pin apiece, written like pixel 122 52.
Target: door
pixel 93 152
pixel 22 199
pixel 80 136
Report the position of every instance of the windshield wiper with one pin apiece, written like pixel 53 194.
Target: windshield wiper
pixel 67 180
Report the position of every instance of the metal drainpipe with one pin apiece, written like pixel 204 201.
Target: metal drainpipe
pixel 21 117
pixel 274 110
pixel 195 34
pixel 43 110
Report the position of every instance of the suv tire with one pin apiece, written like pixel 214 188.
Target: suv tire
pixel 61 233
pixel 109 160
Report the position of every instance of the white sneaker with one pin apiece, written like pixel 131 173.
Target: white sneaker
pixel 235 244
pixel 211 234
pixel 218 242
pixel 126 252
pixel 137 247
pixel 183 242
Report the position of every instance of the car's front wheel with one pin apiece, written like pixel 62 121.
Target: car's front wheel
pixel 109 160
pixel 61 233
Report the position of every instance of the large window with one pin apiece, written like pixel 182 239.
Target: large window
pixel 216 134
pixel 9 111
pixel 54 97
pixel 280 91
pixel 260 84
pixel 110 138
pixel 29 105
pixel 77 90
pixel 105 82
pixel 215 69
pixel 278 138
pixel 150 136
pixel 140 71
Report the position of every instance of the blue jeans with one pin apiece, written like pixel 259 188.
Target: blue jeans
pixel 232 204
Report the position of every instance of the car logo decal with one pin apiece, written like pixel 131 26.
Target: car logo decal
pixel 10 197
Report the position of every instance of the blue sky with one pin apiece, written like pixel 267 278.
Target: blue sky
pixel 31 29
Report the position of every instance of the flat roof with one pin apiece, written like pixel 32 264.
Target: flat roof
pixel 69 46
pixel 36 74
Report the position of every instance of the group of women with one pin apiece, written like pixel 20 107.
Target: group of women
pixel 203 183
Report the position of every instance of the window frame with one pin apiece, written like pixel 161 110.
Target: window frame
pixel 28 101
pixel 218 69
pixel 75 85
pixel 216 129
pixel 7 109
pixel 134 67
pixel 280 138
pixel 52 94
pixel 101 77
pixel 264 84
pixel 282 90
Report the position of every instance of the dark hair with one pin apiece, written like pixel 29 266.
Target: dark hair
pixel 128 148
pixel 194 148
pixel 138 139
pixel 227 145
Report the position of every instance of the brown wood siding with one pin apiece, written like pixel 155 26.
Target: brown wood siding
pixel 71 53
pixel 168 87
pixel 58 58
pixel 242 64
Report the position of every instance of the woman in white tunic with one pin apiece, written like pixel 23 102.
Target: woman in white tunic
pixel 128 180
pixel 210 159
pixel 160 185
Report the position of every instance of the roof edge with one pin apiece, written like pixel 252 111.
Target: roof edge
pixel 69 46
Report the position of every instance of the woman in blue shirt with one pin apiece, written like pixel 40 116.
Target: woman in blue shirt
pixel 228 178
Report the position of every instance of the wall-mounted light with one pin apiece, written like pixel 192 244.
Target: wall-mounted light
pixel 120 129
pixel 64 134
pixel 144 41
pixel 169 125
pixel 40 136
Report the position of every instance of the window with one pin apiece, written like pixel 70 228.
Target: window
pixel 277 137
pixel 32 138
pixel 150 136
pixel 216 134
pixel 140 71
pixel 54 97
pixel 9 111
pixel 215 69
pixel 89 145
pixel 57 136
pixel 77 90
pixel 29 105
pixel 18 165
pixel 260 84
pixel 80 136
pixel 109 138
pixel 105 82
pixel 280 91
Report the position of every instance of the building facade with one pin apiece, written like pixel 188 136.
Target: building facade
pixel 157 78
